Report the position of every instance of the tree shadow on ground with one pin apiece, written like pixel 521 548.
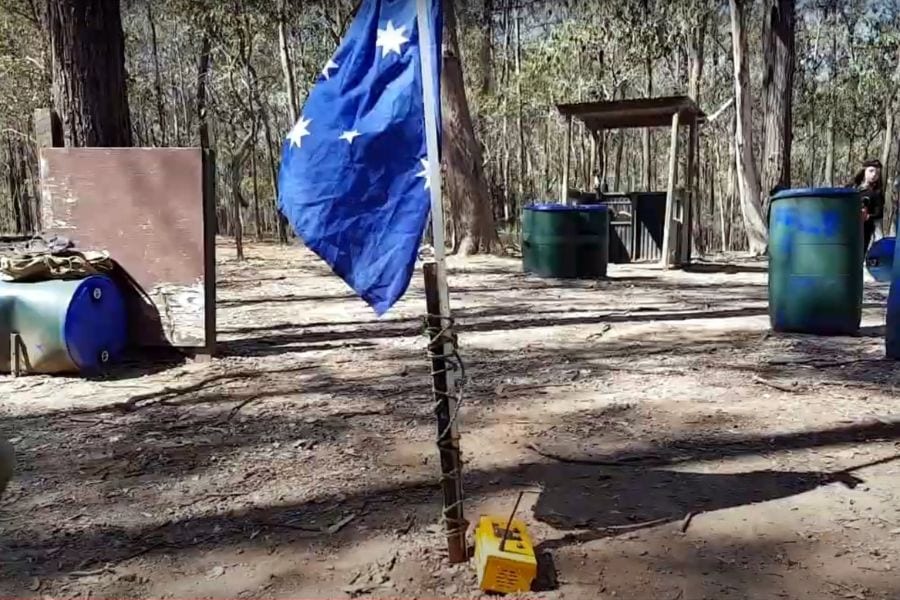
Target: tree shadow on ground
pixel 474 321
pixel 601 502
pixel 603 499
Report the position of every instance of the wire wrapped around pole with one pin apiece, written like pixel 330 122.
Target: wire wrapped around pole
pixel 448 378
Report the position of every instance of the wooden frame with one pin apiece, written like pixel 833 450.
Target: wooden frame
pixel 674 111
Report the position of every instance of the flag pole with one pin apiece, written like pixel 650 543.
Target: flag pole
pixel 442 340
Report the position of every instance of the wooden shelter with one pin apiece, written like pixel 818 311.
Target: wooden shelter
pixel 674 112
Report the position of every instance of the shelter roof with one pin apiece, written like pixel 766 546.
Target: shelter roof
pixel 638 112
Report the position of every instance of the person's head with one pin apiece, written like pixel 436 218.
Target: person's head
pixel 872 173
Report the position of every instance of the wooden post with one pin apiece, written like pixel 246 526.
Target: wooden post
pixel 440 345
pixel 47 128
pixel 15 357
pixel 208 159
pixel 666 259
pixel 598 163
pixel 48 133
pixel 564 191
pixel 687 219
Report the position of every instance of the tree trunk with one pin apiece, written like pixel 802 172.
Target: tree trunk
pixel 748 176
pixel 544 188
pixel 695 76
pixel 829 134
pixel 731 188
pixel 273 173
pixel 157 80
pixel 523 163
pixel 889 106
pixel 507 152
pixel 695 57
pixel 203 69
pixel 89 82
pixel 646 156
pixel 237 198
pixel 886 158
pixel 829 149
pixel 465 181
pixel 778 93
pixel 257 213
pixel 484 51
pixel 287 66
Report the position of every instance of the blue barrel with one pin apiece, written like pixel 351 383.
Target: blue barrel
pixel 816 261
pixel 63 326
pixel 880 259
pixel 892 318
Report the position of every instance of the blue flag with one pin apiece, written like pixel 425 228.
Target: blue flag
pixel 354 180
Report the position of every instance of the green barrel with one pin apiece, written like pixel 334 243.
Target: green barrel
pixel 816 261
pixel 566 241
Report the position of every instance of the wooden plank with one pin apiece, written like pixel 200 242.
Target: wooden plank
pixel 48 133
pixel 666 259
pixel 148 208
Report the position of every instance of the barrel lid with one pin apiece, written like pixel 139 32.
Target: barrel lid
pixel 96 328
pixel 566 208
pixel 827 192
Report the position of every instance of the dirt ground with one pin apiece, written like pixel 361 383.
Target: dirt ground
pixel 675 448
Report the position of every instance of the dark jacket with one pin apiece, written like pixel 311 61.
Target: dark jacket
pixel 873 201
pixel 872 198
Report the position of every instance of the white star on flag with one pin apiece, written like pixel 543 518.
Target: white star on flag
pixel 425 173
pixel 350 135
pixel 391 39
pixel 299 131
pixel 326 72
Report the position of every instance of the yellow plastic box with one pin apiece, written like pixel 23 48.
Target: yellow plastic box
pixel 510 570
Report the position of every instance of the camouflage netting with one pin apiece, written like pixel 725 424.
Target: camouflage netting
pixel 39 259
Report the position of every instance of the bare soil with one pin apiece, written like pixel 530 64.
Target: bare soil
pixel 676 449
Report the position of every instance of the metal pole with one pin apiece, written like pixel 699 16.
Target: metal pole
pixel 437 295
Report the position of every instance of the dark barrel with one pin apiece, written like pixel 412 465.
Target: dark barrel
pixel 816 261
pixel 565 241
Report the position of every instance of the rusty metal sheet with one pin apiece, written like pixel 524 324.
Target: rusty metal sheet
pixel 146 207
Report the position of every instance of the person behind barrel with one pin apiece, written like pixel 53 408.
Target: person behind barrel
pixel 871 191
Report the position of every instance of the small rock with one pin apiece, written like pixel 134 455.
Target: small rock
pixel 217 571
